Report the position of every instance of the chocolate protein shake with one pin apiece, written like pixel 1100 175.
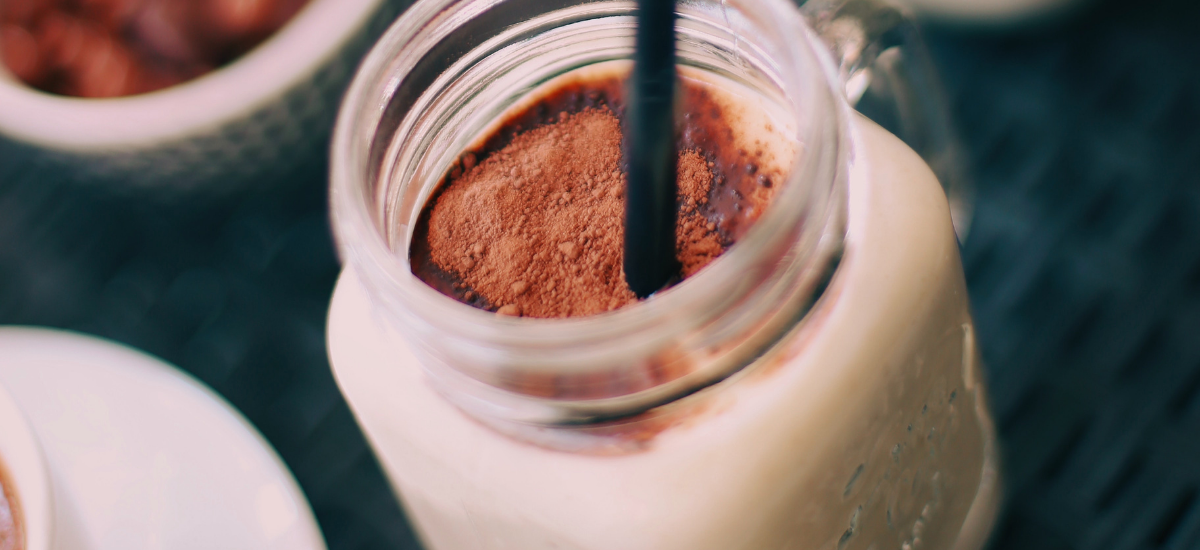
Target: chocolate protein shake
pixel 810 380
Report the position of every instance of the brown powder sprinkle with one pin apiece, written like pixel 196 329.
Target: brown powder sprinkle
pixel 536 228
pixel 530 220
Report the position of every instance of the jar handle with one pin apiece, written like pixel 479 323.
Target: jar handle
pixel 888 76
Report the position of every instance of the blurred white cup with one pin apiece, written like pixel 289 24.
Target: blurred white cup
pixel 1000 12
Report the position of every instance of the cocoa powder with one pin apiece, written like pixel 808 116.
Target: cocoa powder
pixel 536 229
pixel 532 222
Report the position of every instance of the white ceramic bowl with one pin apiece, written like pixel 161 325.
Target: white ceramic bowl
pixel 22 459
pixel 246 121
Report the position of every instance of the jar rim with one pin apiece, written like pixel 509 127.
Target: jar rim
pixel 360 225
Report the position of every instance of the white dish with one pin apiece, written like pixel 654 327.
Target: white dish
pixel 141 456
pixel 22 461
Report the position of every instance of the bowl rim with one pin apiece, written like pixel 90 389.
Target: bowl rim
pixel 294 52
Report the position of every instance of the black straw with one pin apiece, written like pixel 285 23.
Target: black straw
pixel 650 149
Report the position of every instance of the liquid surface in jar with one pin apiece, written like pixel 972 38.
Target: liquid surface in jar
pixel 111 48
pixel 12 534
pixel 530 220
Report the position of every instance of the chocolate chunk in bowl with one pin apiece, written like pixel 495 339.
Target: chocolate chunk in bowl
pixel 189 104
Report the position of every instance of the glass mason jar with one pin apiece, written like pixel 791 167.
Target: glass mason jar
pixel 890 78
pixel 817 386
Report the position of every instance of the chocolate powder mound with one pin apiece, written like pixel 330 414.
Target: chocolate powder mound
pixel 537 228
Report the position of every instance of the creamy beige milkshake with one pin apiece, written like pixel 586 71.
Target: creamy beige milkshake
pixel 869 423
pixel 816 386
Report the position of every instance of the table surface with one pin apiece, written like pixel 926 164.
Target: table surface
pixel 1083 266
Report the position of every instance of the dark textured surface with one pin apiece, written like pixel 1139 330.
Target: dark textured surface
pixel 1083 264
pixel 1084 268
pixel 235 294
